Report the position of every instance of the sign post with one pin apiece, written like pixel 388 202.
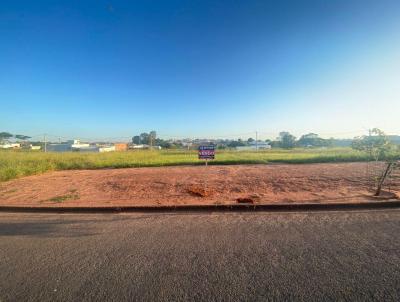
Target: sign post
pixel 207 152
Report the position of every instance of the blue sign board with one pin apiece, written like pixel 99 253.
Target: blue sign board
pixel 207 152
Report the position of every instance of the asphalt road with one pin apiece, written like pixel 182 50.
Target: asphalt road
pixel 316 256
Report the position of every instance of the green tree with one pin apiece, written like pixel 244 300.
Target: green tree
pixel 376 144
pixel 312 139
pixel 153 134
pixel 152 137
pixel 5 135
pixel 234 144
pixel 22 137
pixel 144 138
pixel 287 141
pixel 162 143
pixel 136 139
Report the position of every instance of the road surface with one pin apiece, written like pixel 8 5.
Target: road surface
pixel 200 257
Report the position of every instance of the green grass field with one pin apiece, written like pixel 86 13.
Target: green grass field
pixel 14 164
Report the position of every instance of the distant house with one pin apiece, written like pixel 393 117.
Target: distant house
pixel 106 148
pixel 29 146
pixel 121 146
pixel 9 145
pixel 187 144
pixel 77 145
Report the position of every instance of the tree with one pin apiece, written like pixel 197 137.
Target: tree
pixel 275 144
pixel 22 137
pixel 152 137
pixel 250 140
pixel 5 135
pixel 144 138
pixel 312 139
pixel 287 141
pixel 376 144
pixel 162 143
pixel 390 166
pixel 136 139
pixel 234 144
pixel 153 134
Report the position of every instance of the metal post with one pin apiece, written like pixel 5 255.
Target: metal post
pixel 256 141
pixel 45 143
pixel 151 142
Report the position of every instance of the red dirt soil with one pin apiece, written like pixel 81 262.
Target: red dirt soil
pixel 257 184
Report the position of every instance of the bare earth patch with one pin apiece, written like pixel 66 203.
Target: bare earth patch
pixel 254 184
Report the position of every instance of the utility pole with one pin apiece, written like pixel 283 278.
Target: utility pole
pixel 256 141
pixel 45 142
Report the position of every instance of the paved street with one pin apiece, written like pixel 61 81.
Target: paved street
pixel 200 257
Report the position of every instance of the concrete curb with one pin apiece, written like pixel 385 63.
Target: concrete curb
pixel 211 208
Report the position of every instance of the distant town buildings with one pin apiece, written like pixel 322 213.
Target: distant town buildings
pixel 71 145
pixel 78 146
pixel 310 140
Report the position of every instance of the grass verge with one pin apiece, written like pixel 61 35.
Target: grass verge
pixel 14 164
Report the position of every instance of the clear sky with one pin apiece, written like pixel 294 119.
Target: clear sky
pixel 110 69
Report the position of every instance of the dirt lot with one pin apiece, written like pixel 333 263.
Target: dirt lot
pixel 192 185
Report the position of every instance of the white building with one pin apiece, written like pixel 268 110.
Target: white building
pixel 141 146
pixel 106 149
pixel 76 144
pixel 8 145
pixel 144 146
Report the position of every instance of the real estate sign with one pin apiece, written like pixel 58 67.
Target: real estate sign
pixel 207 152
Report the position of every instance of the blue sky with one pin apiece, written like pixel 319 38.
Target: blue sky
pixel 112 69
